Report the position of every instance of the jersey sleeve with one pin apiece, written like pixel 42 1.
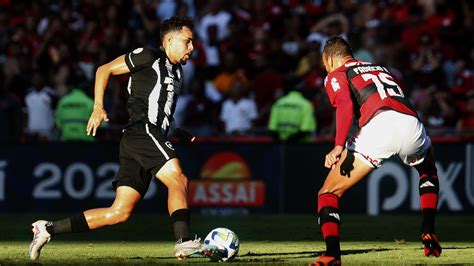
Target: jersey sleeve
pixel 337 88
pixel 140 57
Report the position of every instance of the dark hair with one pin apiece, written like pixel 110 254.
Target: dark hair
pixel 175 24
pixel 337 47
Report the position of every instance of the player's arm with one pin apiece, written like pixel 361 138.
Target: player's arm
pixel 115 67
pixel 344 114
pixel 339 95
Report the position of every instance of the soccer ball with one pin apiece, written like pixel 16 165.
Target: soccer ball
pixel 226 241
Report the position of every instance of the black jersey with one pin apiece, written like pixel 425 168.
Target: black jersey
pixel 154 87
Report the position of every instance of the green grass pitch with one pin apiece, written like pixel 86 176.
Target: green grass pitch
pixel 265 240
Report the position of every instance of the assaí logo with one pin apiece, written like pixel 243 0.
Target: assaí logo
pixel 225 182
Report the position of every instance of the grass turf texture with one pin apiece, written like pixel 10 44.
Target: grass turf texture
pixel 266 239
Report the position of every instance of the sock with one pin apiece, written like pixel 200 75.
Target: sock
pixel 429 190
pixel 73 224
pixel 181 220
pixel 329 220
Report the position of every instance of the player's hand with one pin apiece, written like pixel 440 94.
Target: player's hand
pixel 333 156
pixel 183 136
pixel 97 117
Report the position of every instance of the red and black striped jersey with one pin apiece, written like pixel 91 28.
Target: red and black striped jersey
pixel 361 89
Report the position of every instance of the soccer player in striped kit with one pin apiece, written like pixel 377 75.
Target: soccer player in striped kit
pixel 145 151
pixel 388 126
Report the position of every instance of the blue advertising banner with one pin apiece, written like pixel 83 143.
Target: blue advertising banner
pixel 393 188
pixel 73 177
pixel 225 179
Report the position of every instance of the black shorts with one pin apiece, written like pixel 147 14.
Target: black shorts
pixel 143 151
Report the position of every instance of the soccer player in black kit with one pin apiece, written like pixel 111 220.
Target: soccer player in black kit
pixel 154 86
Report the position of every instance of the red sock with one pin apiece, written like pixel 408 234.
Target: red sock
pixel 329 219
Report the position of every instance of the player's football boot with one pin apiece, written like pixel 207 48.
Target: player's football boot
pixel 40 238
pixel 193 248
pixel 183 249
pixel 324 260
pixel 209 251
pixel 431 245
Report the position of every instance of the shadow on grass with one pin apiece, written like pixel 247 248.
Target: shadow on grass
pixel 304 254
pixel 456 247
pixel 250 257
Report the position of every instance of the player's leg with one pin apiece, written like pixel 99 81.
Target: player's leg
pixel 366 151
pixel 348 171
pixel 171 175
pixel 429 190
pixel 125 200
pixel 157 157
pixel 416 151
pixel 177 183
pixel 120 211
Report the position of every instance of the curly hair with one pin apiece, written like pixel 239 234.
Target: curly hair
pixel 175 24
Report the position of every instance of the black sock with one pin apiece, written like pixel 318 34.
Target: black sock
pixel 333 248
pixel 181 220
pixel 59 227
pixel 73 224
pixel 428 220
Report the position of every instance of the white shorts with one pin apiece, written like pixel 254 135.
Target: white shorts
pixel 390 133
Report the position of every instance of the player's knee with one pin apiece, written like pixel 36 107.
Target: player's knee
pixel 180 181
pixel 120 215
pixel 123 216
pixel 175 181
pixel 169 171
pixel 183 180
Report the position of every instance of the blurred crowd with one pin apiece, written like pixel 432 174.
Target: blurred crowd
pixel 248 55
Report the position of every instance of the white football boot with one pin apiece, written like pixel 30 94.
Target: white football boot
pixel 193 248
pixel 182 250
pixel 40 238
